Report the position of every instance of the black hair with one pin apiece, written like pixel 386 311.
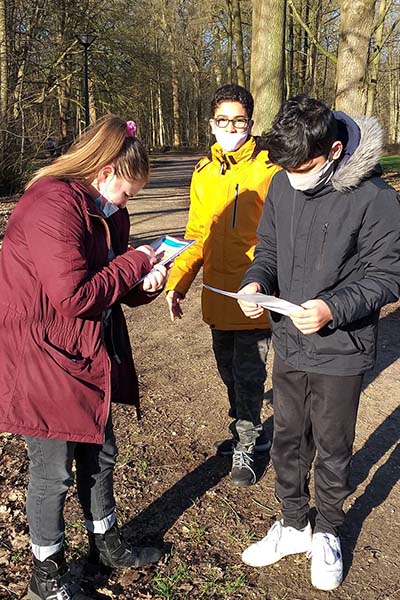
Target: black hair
pixel 303 129
pixel 233 93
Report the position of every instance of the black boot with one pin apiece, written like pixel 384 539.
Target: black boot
pixel 51 580
pixel 110 549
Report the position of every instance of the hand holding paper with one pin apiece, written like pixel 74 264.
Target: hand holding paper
pixel 315 316
pixel 261 300
pixel 163 252
pixel 251 310
pixel 155 280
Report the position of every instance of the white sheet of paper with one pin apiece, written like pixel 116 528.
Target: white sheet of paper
pixel 278 305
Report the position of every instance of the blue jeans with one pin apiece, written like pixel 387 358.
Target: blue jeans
pixel 241 357
pixel 50 477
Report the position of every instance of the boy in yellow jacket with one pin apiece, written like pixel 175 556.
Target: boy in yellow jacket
pixel 227 194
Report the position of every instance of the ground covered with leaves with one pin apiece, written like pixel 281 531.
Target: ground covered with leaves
pixel 170 487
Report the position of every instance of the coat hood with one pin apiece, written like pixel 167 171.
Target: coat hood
pixel 362 139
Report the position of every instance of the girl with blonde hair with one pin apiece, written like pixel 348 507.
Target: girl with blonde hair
pixel 65 269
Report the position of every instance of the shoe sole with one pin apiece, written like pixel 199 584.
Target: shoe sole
pixel 268 564
pixel 243 484
pixel 326 588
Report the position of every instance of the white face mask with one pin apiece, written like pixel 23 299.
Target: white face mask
pixel 109 208
pixel 309 181
pixel 230 142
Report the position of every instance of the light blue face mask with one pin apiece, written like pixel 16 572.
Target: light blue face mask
pixel 109 207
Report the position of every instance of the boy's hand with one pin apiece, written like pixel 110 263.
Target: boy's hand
pixel 253 311
pixel 315 316
pixel 174 304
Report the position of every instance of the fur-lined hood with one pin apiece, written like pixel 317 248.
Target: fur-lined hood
pixel 362 139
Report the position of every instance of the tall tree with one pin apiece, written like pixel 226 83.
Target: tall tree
pixel 355 31
pixel 3 61
pixel 238 39
pixel 267 75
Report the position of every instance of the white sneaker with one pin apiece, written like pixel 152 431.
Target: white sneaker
pixel 326 562
pixel 280 541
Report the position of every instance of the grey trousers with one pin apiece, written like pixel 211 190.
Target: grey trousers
pixel 314 416
pixel 50 477
pixel 241 357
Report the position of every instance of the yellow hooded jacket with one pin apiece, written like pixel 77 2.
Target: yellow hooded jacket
pixel 227 195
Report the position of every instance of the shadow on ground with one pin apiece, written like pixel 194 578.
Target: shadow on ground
pixel 161 515
pixel 380 442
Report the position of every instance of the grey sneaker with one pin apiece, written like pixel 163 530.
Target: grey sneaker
pixel 227 447
pixel 243 473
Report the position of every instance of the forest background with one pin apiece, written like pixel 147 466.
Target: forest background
pixel 159 61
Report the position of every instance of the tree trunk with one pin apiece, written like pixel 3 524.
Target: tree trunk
pixel 315 25
pixel 290 56
pixel 355 31
pixel 153 119
pixel 3 62
pixel 161 127
pixel 92 103
pixel 229 47
pixel 169 25
pixel 394 108
pixel 267 75
pixel 305 45
pixel 175 103
pixel 238 39
pixel 374 67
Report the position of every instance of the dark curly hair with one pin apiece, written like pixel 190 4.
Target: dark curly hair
pixel 233 93
pixel 303 129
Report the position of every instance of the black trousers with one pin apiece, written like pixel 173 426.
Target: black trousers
pixel 241 357
pixel 314 417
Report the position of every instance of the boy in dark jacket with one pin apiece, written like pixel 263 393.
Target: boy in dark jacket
pixel 329 241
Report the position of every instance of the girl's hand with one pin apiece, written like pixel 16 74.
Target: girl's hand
pixel 146 249
pixel 155 280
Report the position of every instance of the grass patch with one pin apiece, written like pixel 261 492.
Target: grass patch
pixel 167 586
pixel 391 164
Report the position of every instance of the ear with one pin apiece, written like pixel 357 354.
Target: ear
pixel 336 150
pixel 251 123
pixel 105 172
pixel 212 125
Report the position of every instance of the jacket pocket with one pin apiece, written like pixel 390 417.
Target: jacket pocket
pixel 323 246
pixel 75 364
pixel 335 342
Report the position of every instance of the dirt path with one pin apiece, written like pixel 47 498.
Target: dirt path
pixel 169 484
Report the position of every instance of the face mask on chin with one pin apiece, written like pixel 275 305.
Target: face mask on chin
pixel 310 181
pixel 109 208
pixel 230 142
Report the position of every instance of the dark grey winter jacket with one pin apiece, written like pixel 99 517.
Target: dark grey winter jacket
pixel 341 244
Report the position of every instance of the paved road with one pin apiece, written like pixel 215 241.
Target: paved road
pixel 162 206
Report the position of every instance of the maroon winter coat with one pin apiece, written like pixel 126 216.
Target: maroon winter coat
pixel 56 375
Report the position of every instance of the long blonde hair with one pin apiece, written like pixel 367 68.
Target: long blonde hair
pixel 107 142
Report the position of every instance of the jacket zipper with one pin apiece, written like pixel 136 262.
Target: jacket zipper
pixel 235 204
pixel 115 353
pixel 323 245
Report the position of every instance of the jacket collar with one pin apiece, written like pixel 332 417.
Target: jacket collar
pixel 362 139
pixel 87 200
pixel 229 160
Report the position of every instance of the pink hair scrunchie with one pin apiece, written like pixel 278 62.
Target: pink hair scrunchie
pixel 131 128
